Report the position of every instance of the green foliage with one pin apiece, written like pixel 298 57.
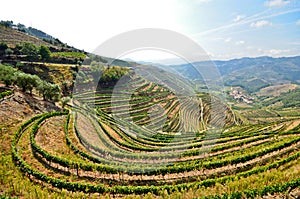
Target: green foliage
pixel 64 101
pixel 7 74
pixel 6 93
pixel 100 188
pixel 26 81
pixel 96 70
pixel 250 86
pixel 29 49
pixel 97 58
pixel 3 47
pixel 45 53
pixel 19 65
pixel 289 99
pixel 218 161
pixel 255 85
pixel 9 51
pixel 72 55
pixel 113 74
pixel 234 153
pixel 6 197
pixel 81 77
pixel 49 91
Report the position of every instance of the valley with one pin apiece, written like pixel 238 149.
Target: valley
pixel 78 125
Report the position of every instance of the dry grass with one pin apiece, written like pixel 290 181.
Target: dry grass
pixel 276 90
pixel 13 37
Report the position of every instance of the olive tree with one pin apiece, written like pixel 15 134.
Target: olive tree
pixel 7 74
pixel 26 81
pixel 49 91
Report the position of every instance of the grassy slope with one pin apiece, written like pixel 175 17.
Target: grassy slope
pixel 276 90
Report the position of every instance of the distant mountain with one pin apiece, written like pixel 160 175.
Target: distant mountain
pixel 250 73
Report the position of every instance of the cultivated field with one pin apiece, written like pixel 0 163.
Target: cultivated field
pixel 151 142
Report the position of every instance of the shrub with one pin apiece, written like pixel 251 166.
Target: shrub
pixel 9 51
pixel 29 50
pixel 7 74
pixel 3 47
pixel 64 101
pixel 6 93
pixel 45 53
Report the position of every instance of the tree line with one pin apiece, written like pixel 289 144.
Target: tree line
pixel 27 83
pixel 28 49
pixel 33 53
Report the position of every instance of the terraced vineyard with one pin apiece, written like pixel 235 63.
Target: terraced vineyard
pixel 140 137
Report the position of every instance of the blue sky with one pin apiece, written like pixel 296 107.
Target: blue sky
pixel 225 29
pixel 246 28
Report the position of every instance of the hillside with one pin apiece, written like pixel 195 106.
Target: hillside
pixel 13 37
pixel 78 125
pixel 112 141
pixel 251 73
pixel 253 77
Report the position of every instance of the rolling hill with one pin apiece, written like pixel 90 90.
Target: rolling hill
pixel 251 73
pixel 136 131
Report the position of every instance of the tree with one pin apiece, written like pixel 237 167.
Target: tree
pixel 45 53
pixel 3 47
pixel 29 50
pixel 9 51
pixel 7 74
pixel 42 88
pixel 81 77
pixel 64 101
pixel 26 81
pixel 96 70
pixel 113 74
pixel 79 63
pixel 7 24
pixel 21 27
pixel 19 65
pixel 49 91
pixel 53 93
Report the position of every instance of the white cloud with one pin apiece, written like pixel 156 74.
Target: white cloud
pixel 253 18
pixel 227 40
pixel 238 18
pixel 298 22
pixel 240 42
pixel 276 3
pixel 278 51
pixel 260 24
pixel 295 43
